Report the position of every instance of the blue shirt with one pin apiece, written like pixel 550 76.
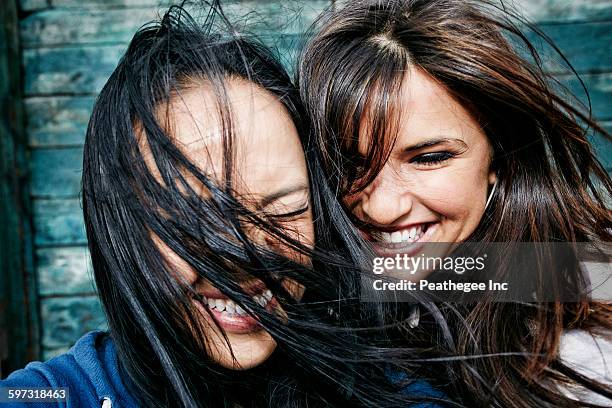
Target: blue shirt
pixel 90 372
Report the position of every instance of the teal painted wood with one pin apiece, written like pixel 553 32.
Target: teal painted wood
pixel 102 26
pixel 68 318
pixel 599 87
pixel 554 10
pixel 58 222
pixel 565 10
pixel 57 120
pixel 33 5
pixel 64 271
pixel 55 27
pixel 587 46
pixel 56 172
pixel 603 147
pixel 69 70
pixel 536 10
pixel 270 18
pixel 19 340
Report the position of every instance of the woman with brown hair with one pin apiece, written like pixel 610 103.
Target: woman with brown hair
pixel 434 128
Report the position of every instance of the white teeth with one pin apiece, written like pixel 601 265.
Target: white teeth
pixel 407 235
pixel 229 307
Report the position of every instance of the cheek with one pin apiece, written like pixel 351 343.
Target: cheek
pixel 301 230
pixel 457 194
pixel 304 231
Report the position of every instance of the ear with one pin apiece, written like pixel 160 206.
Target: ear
pixel 492 177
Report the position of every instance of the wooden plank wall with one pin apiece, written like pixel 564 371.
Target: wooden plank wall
pixel 18 307
pixel 71 46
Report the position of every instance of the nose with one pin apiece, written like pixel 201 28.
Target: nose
pixel 387 199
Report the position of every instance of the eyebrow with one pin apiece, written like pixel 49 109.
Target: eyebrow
pixel 431 142
pixel 283 192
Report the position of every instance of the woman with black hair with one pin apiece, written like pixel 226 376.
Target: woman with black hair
pixel 222 260
pixel 434 128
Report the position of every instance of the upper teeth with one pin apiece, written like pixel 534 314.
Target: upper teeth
pixel 405 235
pixel 228 306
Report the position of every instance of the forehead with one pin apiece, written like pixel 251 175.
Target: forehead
pixel 266 152
pixel 424 108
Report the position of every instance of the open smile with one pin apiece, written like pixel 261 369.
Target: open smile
pixel 406 239
pixel 232 317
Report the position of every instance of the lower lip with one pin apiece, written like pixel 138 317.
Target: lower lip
pixel 240 324
pixel 410 248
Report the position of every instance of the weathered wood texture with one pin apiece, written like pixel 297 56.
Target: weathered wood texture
pixel 33 5
pixel 65 65
pixel 18 311
pixel 587 45
pixel 64 271
pixel 116 26
pixel 58 222
pixel 564 11
pixel 67 318
pixel 55 121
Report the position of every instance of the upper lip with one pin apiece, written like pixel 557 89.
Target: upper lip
pixel 250 288
pixel 393 228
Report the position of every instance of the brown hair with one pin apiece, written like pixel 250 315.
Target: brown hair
pixel 551 187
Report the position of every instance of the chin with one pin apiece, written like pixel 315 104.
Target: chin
pixel 250 351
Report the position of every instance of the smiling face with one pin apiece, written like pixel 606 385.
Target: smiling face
pixel 269 174
pixel 434 186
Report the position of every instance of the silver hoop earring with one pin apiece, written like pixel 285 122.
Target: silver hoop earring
pixel 491 194
pixel 415 316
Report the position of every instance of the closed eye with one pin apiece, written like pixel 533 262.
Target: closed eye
pixel 289 215
pixel 432 158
